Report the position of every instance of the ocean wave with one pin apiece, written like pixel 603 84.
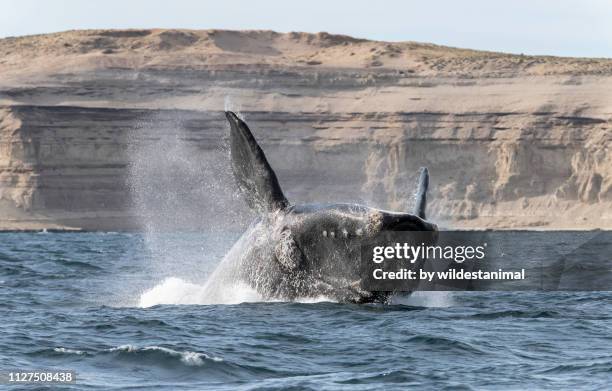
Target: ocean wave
pixel 395 376
pixel 590 368
pixel 186 357
pixel 448 344
pixel 155 354
pixel 69 351
pixel 534 314
pixel 77 264
pixel 57 352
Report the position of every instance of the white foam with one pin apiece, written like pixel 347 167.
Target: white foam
pixel 425 299
pixel 187 357
pixel 174 290
pixel 313 300
pixel 69 351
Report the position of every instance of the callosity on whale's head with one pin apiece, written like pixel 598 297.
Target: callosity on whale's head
pixel 308 250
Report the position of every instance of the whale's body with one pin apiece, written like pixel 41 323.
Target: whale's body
pixel 301 251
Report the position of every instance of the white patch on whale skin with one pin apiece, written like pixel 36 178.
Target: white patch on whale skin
pixel 374 223
pixel 287 251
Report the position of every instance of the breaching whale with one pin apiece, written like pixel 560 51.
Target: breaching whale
pixel 299 251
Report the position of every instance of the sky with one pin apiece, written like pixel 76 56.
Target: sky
pixel 579 28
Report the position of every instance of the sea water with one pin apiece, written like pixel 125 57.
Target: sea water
pixel 124 314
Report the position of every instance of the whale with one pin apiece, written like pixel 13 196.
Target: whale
pixel 299 251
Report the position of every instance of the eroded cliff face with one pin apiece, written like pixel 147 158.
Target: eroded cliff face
pixel 510 141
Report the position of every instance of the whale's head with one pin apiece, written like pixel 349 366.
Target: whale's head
pixel 317 244
pixel 326 243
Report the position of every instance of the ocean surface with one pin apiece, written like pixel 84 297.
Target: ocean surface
pixel 126 311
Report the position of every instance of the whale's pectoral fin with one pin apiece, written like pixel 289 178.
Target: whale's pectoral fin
pixel 255 177
pixel 421 196
pixel 287 252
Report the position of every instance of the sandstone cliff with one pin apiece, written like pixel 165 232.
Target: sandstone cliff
pixel 510 140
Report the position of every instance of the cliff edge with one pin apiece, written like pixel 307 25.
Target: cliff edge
pixel 511 141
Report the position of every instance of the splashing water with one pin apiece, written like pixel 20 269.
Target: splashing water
pixel 222 286
pixel 182 189
pixel 425 299
pixel 174 290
